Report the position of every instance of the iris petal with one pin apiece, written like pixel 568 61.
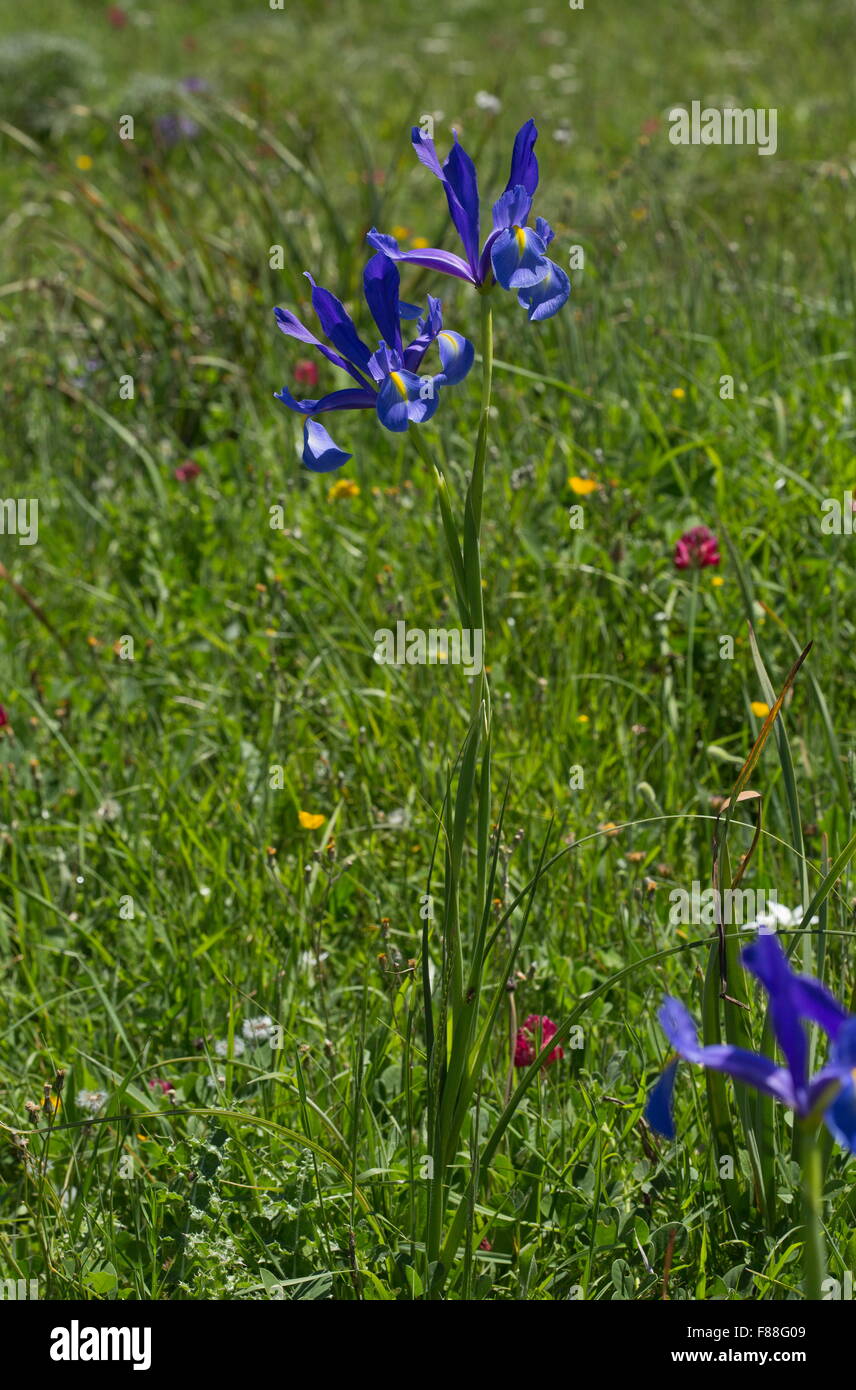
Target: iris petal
pixel 431 257
pixel 524 164
pixel 406 398
pixel 816 1003
pixel 393 400
pixel 751 1068
pixel 544 230
pixel 841 1117
pixel 844 1051
pixel 658 1111
pixel 547 297
pixel 766 960
pixel 425 151
pixel 349 399
pixel 462 195
pixel 512 208
pixel 338 325
pixel 456 354
pixel 426 402
pixel 381 281
pixel 518 258
pixel 320 453
pixel 428 327
pixel 290 324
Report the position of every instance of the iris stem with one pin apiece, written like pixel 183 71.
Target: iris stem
pixel 465 559
pixel 814 1241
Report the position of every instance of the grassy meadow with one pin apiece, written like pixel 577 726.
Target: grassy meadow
pixel 220 816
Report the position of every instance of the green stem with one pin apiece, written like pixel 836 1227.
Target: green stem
pixel 691 625
pixel 814 1242
pixel 465 560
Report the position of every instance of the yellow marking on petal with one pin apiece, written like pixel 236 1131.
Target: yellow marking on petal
pixel 520 233
pixel 399 384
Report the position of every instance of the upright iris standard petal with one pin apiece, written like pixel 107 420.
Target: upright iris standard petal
pixel 766 959
pixel 512 208
pixel 457 355
pixel 546 298
pixel 462 191
pixel 816 1003
pixel 338 325
pixel 518 258
pixel 320 453
pixel 381 282
pixel 524 164
pixel 808 998
pixel 428 328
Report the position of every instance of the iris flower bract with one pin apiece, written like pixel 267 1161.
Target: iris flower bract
pixel 514 254
pixel 387 379
pixel 793 999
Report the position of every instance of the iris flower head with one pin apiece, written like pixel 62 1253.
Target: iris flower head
pixel 793 1001
pixel 514 254
pixel 387 380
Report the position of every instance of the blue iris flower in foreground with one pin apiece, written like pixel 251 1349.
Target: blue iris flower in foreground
pixel 514 254
pixel 793 999
pixel 387 380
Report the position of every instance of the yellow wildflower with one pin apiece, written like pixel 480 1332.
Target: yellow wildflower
pixel 342 488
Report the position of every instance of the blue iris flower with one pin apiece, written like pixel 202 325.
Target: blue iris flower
pixel 514 254
pixel 386 380
pixel 793 999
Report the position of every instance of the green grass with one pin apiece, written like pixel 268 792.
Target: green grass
pixel 144 786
